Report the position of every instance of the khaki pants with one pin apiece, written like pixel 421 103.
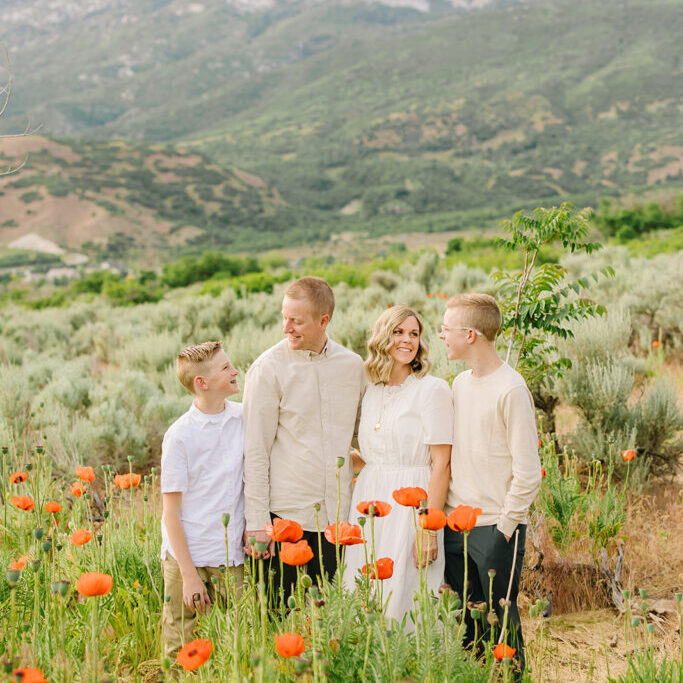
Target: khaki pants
pixel 175 615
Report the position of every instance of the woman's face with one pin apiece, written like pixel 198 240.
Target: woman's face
pixel 406 341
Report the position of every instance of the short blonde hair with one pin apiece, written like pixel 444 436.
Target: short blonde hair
pixel 192 362
pixel 379 363
pixel 316 290
pixel 480 311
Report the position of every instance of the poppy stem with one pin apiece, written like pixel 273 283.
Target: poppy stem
pixel 320 547
pixel 464 585
pixel 501 638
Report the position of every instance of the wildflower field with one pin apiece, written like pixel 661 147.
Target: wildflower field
pixel 87 391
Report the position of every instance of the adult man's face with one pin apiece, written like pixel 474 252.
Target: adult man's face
pixel 305 331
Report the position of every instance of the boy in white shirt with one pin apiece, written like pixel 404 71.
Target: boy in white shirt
pixel 494 462
pixel 202 468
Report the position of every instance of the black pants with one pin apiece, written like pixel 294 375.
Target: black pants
pixel 487 549
pixel 313 568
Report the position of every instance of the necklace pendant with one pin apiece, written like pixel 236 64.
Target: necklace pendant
pixel 378 426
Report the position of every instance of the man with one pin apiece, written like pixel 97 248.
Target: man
pixel 301 400
pixel 494 462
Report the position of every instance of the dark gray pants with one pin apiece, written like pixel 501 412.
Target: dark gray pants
pixel 487 549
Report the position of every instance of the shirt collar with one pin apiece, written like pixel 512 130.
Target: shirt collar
pixel 203 419
pixel 312 355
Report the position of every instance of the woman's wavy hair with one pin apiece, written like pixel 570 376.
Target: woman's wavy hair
pixel 379 363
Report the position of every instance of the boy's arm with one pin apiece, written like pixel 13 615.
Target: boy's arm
pixel 261 413
pixel 193 586
pixel 522 438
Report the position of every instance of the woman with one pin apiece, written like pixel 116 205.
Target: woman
pixel 405 437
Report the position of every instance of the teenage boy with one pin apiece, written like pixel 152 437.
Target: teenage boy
pixel 202 467
pixel 301 399
pixel 494 463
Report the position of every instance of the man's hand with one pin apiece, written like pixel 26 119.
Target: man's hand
pixel 261 536
pixel 195 595
pixel 430 550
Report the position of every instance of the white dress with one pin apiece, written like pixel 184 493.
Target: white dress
pixel 412 416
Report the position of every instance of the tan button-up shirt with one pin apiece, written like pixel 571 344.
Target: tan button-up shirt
pixel 300 411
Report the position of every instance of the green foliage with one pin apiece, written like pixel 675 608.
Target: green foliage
pixel 628 222
pixel 210 264
pixel 30 197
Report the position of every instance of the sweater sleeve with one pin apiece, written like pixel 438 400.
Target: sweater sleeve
pixel 261 408
pixel 522 438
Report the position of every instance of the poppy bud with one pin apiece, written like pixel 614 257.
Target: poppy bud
pixel 361 521
pixel 650 628
pixel 167 598
pixel 214 580
pixel 165 663
pixel 99 538
pixel 38 534
pixel 492 618
pixel 153 470
pixel 35 565
pixel 12 577
pixel 252 540
pixel 54 587
pixel 306 581
pixel 492 573
pixel 340 462
pixel 255 660
pixel 145 498
pixel 679 597
pixel 226 518
pixel 504 603
pixel 291 602
pixel 475 613
pixel 626 594
pixel 130 458
pixel 29 467
pixel 316 507
pixel 59 547
pixel 105 514
pixel 63 587
pixel 46 546
pixel 533 611
pixel 635 621
pixel 643 593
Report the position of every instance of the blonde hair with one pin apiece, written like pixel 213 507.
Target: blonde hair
pixel 480 311
pixel 192 362
pixel 316 290
pixel 379 363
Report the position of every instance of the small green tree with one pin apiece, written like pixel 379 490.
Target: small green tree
pixel 538 303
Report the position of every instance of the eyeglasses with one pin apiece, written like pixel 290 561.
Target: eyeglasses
pixel 445 328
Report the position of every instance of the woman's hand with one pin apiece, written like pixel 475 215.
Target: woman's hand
pixel 430 549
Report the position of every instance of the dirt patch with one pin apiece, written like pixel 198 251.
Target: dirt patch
pixel 671 170
pixel 248 178
pixel 555 173
pixel 503 138
pixel 542 119
pixel 579 165
pixel 382 138
pixel 17 148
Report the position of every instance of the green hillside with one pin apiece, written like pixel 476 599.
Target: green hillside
pixel 365 117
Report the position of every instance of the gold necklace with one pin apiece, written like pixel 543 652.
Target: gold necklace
pixel 378 425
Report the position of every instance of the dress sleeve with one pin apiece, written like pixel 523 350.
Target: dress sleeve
pixel 437 413
pixel 174 474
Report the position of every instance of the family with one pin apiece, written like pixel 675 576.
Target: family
pixel 284 453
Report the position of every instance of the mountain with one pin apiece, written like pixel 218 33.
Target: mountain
pixel 360 115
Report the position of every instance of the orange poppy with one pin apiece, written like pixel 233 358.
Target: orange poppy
pixel 296 553
pixel 29 675
pixel 411 496
pixel 539 443
pixel 433 519
pixel 289 644
pixel 544 474
pixel 77 489
pixel 53 506
pixel 628 455
pixel 655 344
pixel 463 518
pixel 282 530
pixel 385 569
pixel 126 481
pixel 381 509
pixel 80 537
pixel 501 651
pixel 193 654
pixel 23 502
pixel 85 473
pixel 94 583
pixel 18 477
pixel 349 534
pixel 18 565
pixel 429 296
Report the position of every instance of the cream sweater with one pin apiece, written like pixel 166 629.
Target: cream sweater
pixel 494 462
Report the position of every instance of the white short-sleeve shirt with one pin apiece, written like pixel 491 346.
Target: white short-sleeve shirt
pixel 202 457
